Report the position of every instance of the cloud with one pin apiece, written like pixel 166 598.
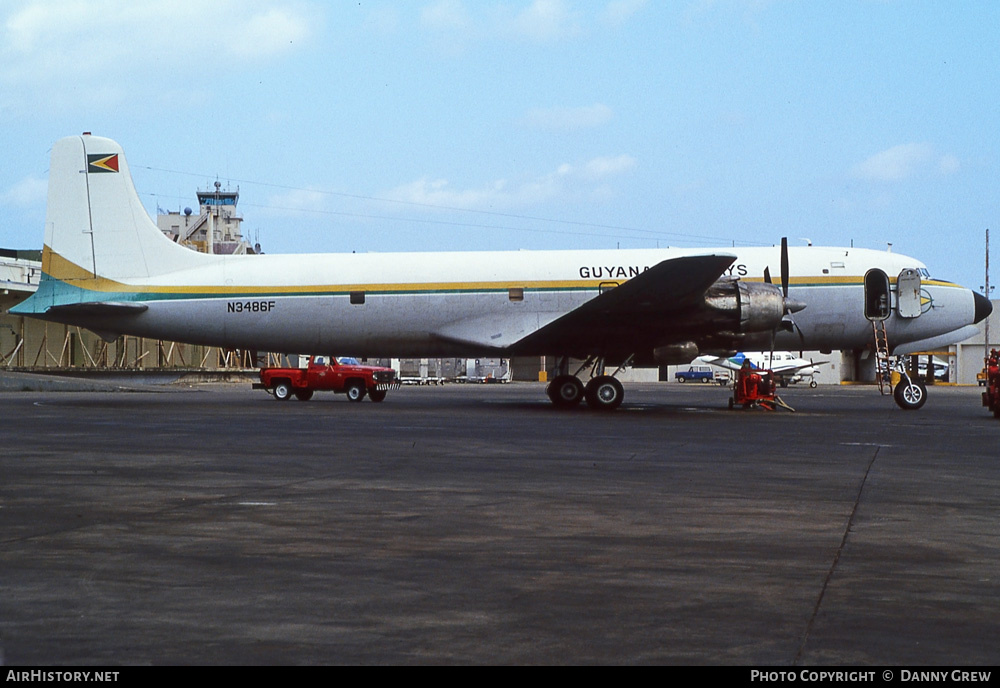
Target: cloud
pixel 601 168
pixel 541 21
pixel 948 164
pixel 569 118
pixel 438 192
pixel 66 41
pixel 449 26
pixel 27 192
pixel 567 181
pixel 267 33
pixel 299 200
pixel 620 11
pixel 902 162
pixel 445 15
pixel 544 21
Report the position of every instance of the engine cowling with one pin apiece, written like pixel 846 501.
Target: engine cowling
pixel 676 354
pixel 748 306
pixel 734 315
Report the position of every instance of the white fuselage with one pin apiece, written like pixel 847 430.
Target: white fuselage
pixel 426 304
pixel 106 266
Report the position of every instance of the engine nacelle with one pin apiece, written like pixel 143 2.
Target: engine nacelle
pixel 676 354
pixel 732 315
pixel 750 306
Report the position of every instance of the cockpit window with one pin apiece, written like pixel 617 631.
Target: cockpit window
pixel 924 273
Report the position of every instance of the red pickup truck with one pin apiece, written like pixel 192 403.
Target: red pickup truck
pixel 329 373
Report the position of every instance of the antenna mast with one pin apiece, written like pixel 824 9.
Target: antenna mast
pixel 986 289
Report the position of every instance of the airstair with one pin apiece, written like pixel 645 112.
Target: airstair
pixel 883 363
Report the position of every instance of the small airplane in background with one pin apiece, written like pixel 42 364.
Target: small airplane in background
pixel 108 268
pixel 784 364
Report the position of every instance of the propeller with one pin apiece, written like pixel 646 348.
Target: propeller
pixel 787 323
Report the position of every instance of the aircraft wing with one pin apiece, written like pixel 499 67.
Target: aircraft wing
pixel 779 369
pixel 784 370
pixel 639 313
pixel 720 362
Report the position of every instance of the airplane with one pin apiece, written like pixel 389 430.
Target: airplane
pixel 783 364
pixel 107 267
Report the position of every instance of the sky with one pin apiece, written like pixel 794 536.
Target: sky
pixel 436 125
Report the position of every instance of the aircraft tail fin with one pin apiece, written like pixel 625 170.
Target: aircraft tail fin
pixel 95 225
pixel 101 247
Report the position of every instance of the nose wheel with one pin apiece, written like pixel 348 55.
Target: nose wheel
pixel 909 394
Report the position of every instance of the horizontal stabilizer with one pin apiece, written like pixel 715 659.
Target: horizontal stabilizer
pixel 97 309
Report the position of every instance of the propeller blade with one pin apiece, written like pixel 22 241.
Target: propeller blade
pixel 784 267
pixel 788 324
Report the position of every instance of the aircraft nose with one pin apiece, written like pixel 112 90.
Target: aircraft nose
pixel 983 307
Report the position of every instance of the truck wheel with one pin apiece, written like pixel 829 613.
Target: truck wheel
pixel 681 379
pixel 283 391
pixel 304 394
pixel 705 380
pixel 355 391
pixel 377 395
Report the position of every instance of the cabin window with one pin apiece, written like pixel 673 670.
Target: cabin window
pixel 516 294
pixel 357 297
pixel 606 286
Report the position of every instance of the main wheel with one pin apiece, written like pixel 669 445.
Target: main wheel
pixel 604 393
pixel 283 391
pixel 377 395
pixel 910 396
pixel 565 391
pixel 303 394
pixel 355 391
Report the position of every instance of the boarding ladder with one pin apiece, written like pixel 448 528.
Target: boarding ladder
pixel 883 365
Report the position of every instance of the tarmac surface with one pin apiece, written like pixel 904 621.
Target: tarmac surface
pixel 478 524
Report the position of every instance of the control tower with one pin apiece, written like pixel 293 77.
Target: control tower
pixel 215 230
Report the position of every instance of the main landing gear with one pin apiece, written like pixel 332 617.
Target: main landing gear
pixel 602 392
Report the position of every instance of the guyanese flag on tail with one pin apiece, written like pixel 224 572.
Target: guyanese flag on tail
pixel 99 162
